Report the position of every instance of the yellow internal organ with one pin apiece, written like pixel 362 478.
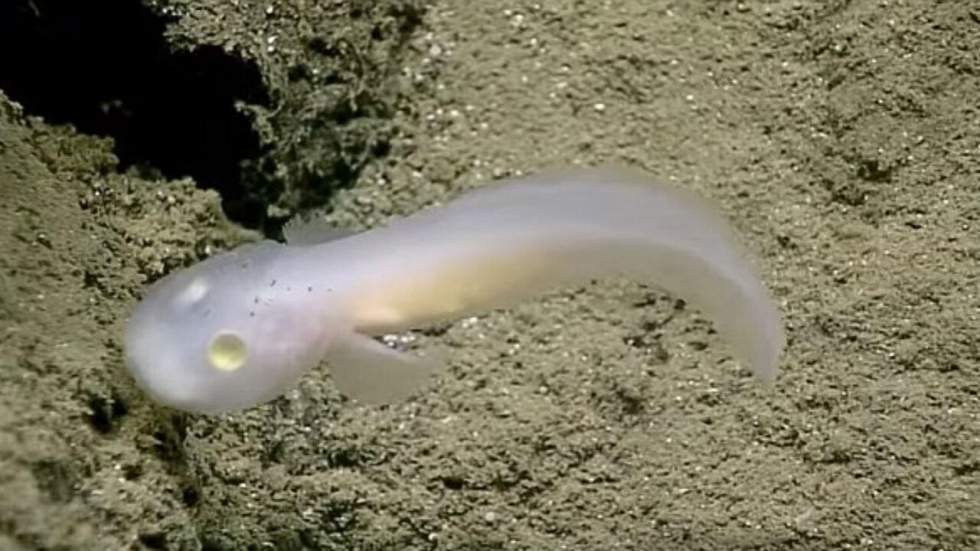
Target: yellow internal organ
pixel 468 285
pixel 227 351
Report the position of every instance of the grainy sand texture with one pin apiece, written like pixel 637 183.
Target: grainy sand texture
pixel 842 138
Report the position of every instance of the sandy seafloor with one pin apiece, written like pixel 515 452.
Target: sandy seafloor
pixel 843 140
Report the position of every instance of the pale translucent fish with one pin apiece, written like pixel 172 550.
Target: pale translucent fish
pixel 241 328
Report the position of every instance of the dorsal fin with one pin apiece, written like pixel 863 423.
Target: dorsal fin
pixel 311 231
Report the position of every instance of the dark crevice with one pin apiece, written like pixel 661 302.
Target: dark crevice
pixel 105 414
pixel 106 68
pixel 153 540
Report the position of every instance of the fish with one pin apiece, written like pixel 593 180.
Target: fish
pixel 243 327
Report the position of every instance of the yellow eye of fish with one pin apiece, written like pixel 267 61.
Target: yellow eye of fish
pixel 227 351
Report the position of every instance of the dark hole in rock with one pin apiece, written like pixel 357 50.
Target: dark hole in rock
pixel 153 540
pixel 105 413
pixel 106 68
pixel 190 495
pixel 132 471
pixel 453 483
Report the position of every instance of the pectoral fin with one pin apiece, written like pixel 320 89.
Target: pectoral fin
pixel 370 372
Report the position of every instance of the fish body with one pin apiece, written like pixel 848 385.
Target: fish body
pixel 242 327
